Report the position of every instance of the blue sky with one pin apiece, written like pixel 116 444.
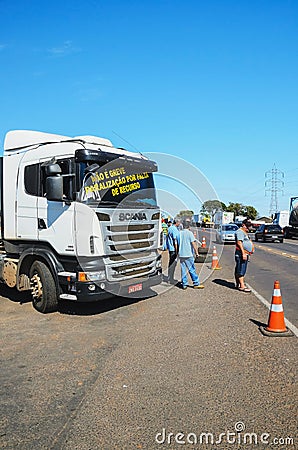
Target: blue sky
pixel 212 82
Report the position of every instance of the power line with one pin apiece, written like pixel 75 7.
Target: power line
pixel 276 185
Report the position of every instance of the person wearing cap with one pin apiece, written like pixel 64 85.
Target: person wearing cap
pixel 244 248
pixel 187 249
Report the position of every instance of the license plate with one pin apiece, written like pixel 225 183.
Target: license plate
pixel 135 288
pixel 274 237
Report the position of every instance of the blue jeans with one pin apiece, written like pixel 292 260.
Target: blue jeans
pixel 188 265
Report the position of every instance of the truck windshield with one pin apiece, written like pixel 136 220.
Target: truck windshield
pixel 116 184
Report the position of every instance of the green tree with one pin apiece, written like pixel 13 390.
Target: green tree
pixel 250 212
pixel 236 208
pixel 211 206
pixel 242 210
pixel 185 213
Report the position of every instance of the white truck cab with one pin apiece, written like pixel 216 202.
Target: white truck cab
pixel 79 219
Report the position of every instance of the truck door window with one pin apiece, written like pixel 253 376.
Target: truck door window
pixel 31 178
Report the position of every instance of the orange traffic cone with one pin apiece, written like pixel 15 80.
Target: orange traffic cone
pixel 203 242
pixel 215 263
pixel 276 324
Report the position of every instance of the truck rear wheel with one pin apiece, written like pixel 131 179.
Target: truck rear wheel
pixel 43 288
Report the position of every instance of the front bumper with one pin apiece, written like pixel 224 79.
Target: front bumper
pixel 272 239
pixel 228 238
pixel 102 290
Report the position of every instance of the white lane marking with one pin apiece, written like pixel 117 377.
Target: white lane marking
pixel 287 241
pixel 277 252
pixel 268 305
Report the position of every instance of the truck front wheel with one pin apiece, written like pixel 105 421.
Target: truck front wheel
pixel 43 288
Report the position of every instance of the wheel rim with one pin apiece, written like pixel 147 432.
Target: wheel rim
pixel 36 287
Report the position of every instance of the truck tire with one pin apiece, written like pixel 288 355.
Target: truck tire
pixel 43 288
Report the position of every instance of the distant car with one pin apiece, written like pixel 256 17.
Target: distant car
pixel 270 233
pixel 226 233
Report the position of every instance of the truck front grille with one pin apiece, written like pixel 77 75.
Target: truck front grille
pixel 126 269
pixel 130 250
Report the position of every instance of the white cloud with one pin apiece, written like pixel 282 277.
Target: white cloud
pixel 89 94
pixel 66 48
pixel 88 90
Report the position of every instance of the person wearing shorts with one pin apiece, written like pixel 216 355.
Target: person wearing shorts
pixel 244 248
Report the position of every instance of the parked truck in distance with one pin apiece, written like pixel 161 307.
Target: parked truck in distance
pixel 291 231
pixel 281 218
pixel 78 219
pixel 223 218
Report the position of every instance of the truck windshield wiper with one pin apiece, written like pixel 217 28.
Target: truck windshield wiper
pixel 140 203
pixel 107 202
pixel 123 204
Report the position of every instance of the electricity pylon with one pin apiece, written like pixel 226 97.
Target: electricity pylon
pixel 276 185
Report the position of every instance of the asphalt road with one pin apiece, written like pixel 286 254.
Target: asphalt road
pixel 133 374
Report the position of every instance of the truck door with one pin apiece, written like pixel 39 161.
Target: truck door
pixel 26 202
pixel 55 220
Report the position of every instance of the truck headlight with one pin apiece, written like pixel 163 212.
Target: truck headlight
pixel 92 276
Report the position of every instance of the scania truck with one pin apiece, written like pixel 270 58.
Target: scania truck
pixel 291 230
pixel 79 219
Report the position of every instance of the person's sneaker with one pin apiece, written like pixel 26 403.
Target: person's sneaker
pixel 184 287
pixel 199 286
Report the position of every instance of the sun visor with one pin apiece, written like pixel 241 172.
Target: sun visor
pixel 112 161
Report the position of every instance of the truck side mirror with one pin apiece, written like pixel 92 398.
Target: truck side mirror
pixel 52 169
pixel 54 188
pixel 54 182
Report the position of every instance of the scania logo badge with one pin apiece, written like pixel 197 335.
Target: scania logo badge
pixel 132 216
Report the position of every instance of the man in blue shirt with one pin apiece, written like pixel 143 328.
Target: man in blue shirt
pixel 187 249
pixel 172 246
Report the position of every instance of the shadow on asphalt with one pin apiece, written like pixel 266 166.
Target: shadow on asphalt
pixel 225 283
pixel 14 295
pixel 102 306
pixel 259 324
pixel 79 309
